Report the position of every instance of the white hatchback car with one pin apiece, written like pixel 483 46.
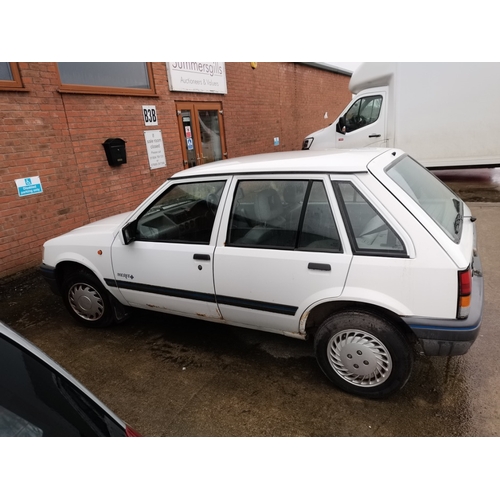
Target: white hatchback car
pixel 366 252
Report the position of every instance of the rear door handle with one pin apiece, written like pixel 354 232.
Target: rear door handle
pixel 319 267
pixel 374 135
pixel 201 256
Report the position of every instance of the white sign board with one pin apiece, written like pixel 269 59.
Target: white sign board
pixel 29 185
pixel 197 77
pixel 150 116
pixel 154 145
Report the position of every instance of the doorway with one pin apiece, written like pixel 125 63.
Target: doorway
pixel 201 128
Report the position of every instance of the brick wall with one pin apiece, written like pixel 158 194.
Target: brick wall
pixel 58 137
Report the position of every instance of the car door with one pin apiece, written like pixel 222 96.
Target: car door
pixel 280 250
pixel 364 123
pixel 168 265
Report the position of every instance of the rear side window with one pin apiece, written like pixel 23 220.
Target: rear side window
pixel 435 198
pixel 283 214
pixel 369 233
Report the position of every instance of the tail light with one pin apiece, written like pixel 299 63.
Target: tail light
pixel 464 293
pixel 129 432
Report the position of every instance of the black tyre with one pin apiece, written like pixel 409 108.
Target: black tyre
pixel 363 354
pixel 87 300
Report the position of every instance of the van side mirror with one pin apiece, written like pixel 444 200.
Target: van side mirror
pixel 129 232
pixel 341 125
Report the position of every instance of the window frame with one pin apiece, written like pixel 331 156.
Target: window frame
pixel 67 88
pixel 404 254
pixel 16 83
pixel 310 181
pixel 183 182
pixel 194 108
pixel 372 98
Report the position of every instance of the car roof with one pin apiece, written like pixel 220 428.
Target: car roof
pixel 325 160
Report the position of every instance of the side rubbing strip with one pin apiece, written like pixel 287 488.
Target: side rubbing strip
pixel 205 297
pixel 257 305
pixel 160 290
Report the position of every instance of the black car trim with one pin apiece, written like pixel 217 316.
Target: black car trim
pixel 48 272
pixel 49 275
pixel 161 290
pixel 258 305
pixel 205 297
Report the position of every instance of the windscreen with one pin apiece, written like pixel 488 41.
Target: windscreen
pixel 435 198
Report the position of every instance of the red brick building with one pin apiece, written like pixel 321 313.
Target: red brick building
pixel 54 119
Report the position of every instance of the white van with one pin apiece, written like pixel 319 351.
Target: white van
pixel 442 114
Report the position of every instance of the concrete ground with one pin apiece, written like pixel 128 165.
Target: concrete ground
pixel 170 376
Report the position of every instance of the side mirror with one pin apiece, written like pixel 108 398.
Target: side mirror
pixel 129 232
pixel 341 125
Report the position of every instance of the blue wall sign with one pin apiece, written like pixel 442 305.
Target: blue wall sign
pixel 29 185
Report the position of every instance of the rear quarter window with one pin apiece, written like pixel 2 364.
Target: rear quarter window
pixel 369 232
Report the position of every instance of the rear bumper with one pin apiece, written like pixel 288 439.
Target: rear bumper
pixel 456 336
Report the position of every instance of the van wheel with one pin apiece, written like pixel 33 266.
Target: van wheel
pixel 363 354
pixel 87 300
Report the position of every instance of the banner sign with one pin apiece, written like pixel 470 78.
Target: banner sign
pixel 197 77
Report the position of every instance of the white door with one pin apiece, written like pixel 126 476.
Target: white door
pixel 364 123
pixel 169 265
pixel 279 252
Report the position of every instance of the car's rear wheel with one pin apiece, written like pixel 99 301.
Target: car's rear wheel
pixel 87 300
pixel 363 354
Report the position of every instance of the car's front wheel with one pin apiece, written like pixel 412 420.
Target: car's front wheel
pixel 363 354
pixel 87 300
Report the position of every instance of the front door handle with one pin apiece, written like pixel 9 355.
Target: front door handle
pixel 201 256
pixel 319 267
pixel 374 135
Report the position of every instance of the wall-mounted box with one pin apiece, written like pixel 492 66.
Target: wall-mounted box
pixel 115 151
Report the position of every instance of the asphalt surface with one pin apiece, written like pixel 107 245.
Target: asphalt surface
pixel 171 376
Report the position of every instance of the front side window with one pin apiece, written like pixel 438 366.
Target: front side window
pixel 436 199
pixel 10 78
pixel 184 214
pixel 369 232
pixel 363 112
pixel 283 214
pixel 106 77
